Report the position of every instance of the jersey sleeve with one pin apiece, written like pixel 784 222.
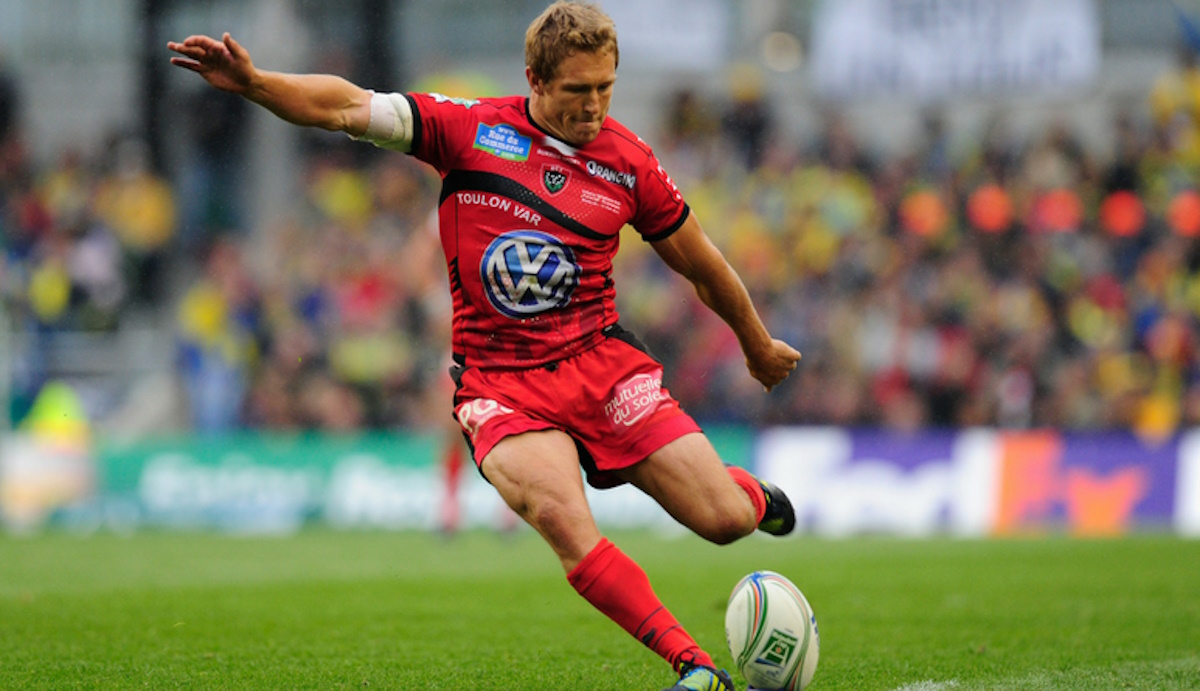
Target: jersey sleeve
pixel 660 206
pixel 441 125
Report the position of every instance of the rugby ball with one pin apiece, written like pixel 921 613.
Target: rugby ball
pixel 772 632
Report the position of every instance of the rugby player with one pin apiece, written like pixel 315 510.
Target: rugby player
pixel 535 191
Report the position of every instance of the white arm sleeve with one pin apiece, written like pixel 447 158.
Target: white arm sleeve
pixel 391 125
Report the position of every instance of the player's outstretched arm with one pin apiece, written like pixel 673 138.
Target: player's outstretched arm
pixel 311 100
pixel 691 253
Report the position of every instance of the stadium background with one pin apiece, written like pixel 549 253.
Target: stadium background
pixel 988 257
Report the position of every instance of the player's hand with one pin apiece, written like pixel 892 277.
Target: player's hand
pixel 772 365
pixel 224 64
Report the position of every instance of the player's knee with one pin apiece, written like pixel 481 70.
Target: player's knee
pixel 562 525
pixel 550 518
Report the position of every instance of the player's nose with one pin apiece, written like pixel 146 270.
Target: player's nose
pixel 591 102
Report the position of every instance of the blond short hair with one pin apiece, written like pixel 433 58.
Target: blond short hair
pixel 565 28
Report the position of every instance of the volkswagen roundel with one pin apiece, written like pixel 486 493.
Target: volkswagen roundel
pixel 526 273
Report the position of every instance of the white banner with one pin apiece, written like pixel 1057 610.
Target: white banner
pixel 929 49
pixel 1187 487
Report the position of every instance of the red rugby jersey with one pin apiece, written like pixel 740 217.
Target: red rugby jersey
pixel 529 225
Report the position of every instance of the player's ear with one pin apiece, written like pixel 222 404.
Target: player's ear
pixel 535 85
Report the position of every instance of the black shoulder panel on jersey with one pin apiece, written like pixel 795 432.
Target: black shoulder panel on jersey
pixel 482 181
pixel 416 113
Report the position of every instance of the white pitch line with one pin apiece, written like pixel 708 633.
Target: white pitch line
pixel 928 686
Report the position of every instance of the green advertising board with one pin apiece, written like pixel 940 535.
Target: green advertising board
pixel 278 483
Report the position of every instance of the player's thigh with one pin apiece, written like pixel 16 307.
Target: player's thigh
pixel 537 473
pixel 687 478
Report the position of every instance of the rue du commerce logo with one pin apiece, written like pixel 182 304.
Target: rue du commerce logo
pixel 635 398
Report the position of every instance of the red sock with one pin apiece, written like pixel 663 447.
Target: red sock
pixel 619 588
pixel 747 482
pixel 452 462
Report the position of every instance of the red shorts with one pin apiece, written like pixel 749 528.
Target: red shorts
pixel 609 399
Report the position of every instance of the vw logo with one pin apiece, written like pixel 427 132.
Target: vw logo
pixel 526 273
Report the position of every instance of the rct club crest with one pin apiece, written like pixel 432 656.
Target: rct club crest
pixel 526 273
pixel 555 178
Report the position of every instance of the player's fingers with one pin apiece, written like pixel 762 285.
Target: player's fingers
pixel 181 48
pixel 785 363
pixel 791 353
pixel 768 381
pixel 198 48
pixel 199 41
pixel 186 64
pixel 235 49
pixel 195 52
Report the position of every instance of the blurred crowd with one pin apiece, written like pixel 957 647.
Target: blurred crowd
pixel 976 278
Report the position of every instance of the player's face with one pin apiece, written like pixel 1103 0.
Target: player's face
pixel 572 106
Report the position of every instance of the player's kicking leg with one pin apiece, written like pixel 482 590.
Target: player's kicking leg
pixel 537 474
pixel 719 503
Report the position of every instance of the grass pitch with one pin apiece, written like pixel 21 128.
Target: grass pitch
pixel 328 610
